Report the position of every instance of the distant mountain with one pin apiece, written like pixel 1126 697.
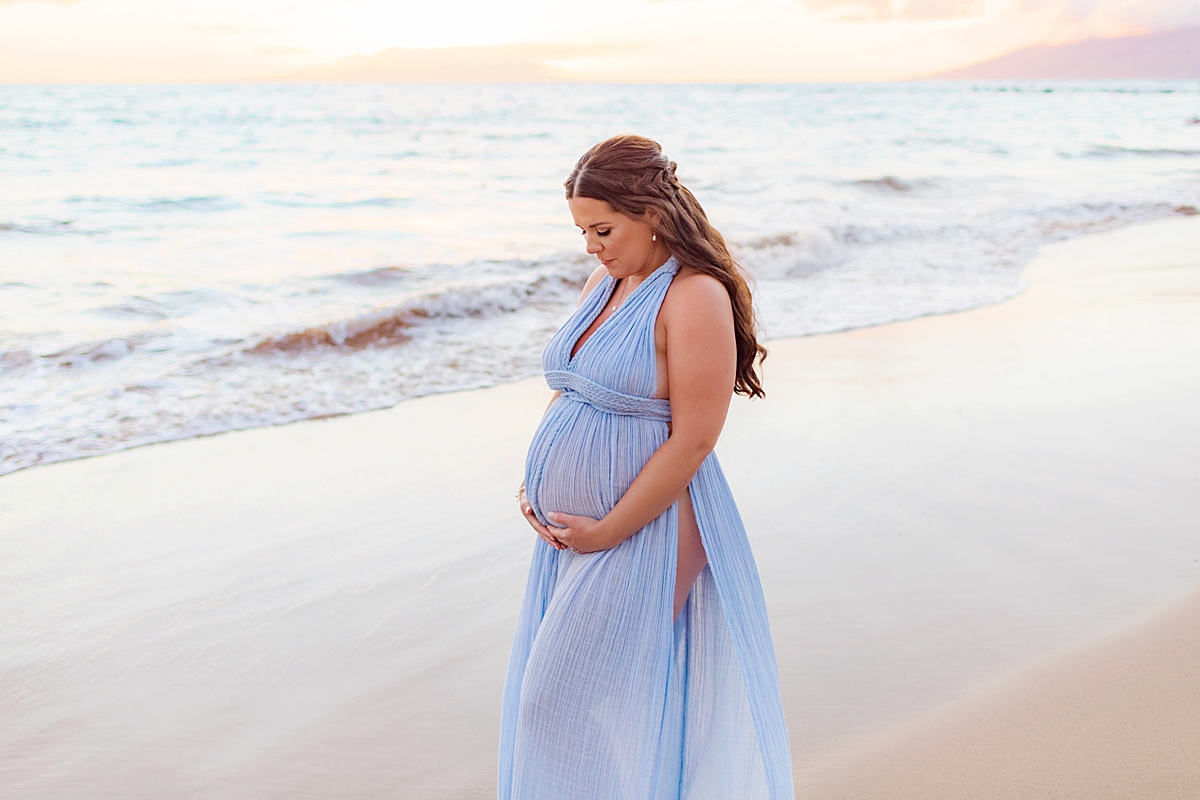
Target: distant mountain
pixel 1171 54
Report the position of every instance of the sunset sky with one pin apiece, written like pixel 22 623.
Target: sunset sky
pixel 685 40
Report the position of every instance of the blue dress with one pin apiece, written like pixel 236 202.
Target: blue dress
pixel 607 696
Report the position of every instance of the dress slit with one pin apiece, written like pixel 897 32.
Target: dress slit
pixel 683 549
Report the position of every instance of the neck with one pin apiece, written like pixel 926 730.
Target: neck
pixel 658 257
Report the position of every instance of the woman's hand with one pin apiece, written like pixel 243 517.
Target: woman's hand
pixel 531 518
pixel 581 534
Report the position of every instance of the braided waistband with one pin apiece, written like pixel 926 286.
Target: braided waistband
pixel 580 388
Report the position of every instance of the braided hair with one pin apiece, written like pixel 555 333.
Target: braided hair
pixel 632 175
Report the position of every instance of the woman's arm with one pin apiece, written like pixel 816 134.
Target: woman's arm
pixel 701 367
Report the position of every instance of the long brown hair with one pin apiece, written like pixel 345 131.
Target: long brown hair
pixel 632 175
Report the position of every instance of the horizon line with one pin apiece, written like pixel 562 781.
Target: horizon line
pixel 589 81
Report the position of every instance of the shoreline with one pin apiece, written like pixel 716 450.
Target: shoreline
pixel 497 382
pixel 502 382
pixel 1023 284
pixel 935 506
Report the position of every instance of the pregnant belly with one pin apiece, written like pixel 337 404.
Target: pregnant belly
pixel 582 460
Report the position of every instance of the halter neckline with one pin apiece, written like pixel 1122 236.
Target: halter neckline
pixel 671 265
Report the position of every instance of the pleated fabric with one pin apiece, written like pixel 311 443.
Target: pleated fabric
pixel 607 696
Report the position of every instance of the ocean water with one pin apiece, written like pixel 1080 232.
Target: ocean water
pixel 184 260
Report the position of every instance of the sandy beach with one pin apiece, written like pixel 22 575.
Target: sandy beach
pixel 1118 719
pixel 977 535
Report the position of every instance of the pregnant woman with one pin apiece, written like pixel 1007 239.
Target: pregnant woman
pixel 643 666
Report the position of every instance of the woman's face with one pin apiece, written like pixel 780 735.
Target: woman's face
pixel 622 243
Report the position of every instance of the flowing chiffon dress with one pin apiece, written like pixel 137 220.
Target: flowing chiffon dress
pixel 607 696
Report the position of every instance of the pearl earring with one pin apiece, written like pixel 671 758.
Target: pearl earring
pixel 654 237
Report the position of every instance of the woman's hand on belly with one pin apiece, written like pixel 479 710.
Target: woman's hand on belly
pixel 581 534
pixel 531 518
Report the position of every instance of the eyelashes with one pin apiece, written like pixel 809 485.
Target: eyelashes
pixel 598 233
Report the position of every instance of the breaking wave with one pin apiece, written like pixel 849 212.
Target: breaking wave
pixel 1151 152
pixel 392 326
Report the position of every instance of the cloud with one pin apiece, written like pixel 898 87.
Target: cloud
pixel 504 63
pixel 1147 14
pixel 939 9
pixel 216 29
pixel 872 10
pixel 273 50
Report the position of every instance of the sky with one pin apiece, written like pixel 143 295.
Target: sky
pixel 54 41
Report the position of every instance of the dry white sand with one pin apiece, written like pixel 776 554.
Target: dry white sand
pixel 1117 721
pixel 937 506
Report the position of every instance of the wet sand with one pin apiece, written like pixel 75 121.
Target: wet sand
pixel 955 517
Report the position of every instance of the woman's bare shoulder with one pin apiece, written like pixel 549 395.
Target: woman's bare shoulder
pixel 696 296
pixel 593 280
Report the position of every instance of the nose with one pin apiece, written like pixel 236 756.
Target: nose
pixel 593 246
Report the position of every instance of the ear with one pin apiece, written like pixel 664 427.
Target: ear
pixel 652 217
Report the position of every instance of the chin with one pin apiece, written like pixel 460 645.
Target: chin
pixel 618 270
